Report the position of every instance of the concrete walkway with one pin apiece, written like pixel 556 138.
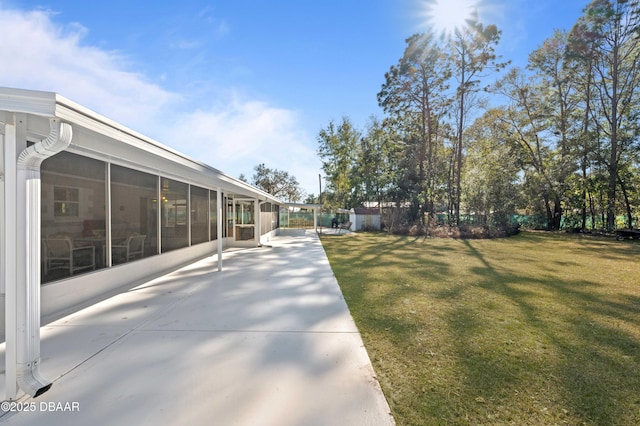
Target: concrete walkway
pixel 267 341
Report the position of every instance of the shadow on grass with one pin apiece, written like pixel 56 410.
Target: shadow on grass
pixel 592 332
pixel 378 261
pixel 496 332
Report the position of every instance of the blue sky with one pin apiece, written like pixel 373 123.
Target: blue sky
pixel 235 84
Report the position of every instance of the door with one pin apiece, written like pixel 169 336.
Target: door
pixel 245 219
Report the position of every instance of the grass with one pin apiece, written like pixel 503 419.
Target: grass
pixel 535 329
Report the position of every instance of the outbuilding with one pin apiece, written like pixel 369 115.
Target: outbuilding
pixel 364 219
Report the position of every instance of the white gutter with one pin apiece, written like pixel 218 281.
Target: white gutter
pixel 27 292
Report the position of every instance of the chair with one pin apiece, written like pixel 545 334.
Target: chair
pixel 132 248
pixel 344 226
pixel 61 253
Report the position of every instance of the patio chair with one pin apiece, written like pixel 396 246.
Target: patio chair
pixel 344 226
pixel 131 248
pixel 61 253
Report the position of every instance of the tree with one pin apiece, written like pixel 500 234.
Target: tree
pixel 527 118
pixel 278 183
pixel 373 171
pixel 490 179
pixel 556 80
pixel 613 46
pixel 579 57
pixel 338 147
pixel 414 95
pixel 311 199
pixel 473 50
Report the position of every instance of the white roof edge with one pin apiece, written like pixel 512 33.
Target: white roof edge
pixel 316 206
pixel 28 101
pixel 50 104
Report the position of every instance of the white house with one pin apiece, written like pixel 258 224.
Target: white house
pixel 89 207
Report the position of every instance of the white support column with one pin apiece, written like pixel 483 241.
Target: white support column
pixel 108 237
pixel 258 228
pixel 315 219
pixel 159 215
pixel 209 216
pixel 9 261
pixel 219 220
pixel 2 211
pixel 189 224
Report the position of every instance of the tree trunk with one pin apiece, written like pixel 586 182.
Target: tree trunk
pixel 547 207
pixel 627 204
pixel 584 194
pixel 613 160
pixel 557 213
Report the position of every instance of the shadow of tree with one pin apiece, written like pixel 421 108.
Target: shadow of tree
pixel 529 329
pixel 592 333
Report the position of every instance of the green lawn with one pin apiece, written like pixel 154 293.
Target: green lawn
pixel 534 329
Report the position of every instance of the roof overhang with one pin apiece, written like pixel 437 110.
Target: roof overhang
pixel 303 206
pixel 124 142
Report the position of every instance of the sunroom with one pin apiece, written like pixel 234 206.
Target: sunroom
pixel 112 208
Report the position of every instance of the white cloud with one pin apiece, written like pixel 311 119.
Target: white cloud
pixel 234 135
pixel 244 133
pixel 41 55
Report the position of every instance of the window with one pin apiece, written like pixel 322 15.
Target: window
pixel 175 220
pixel 199 215
pixel 244 213
pixel 228 215
pixel 73 228
pixel 213 214
pixel 134 214
pixel 66 201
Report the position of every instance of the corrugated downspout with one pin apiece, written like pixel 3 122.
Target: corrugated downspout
pixel 28 284
pixel 58 140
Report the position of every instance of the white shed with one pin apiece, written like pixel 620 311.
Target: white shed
pixel 364 219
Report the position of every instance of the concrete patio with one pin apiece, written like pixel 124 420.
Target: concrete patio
pixel 267 341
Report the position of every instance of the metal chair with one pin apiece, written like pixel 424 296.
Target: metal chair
pixel 132 248
pixel 61 253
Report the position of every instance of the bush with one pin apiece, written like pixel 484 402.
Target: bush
pixel 463 231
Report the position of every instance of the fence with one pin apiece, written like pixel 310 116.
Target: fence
pixel 304 219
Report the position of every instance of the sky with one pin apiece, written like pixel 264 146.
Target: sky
pixel 238 83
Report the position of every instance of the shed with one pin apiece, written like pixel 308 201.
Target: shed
pixel 364 219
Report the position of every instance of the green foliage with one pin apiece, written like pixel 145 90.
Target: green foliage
pixel 605 40
pixel 415 97
pixel 277 183
pixel 373 172
pixel 564 143
pixel 338 150
pixel 490 179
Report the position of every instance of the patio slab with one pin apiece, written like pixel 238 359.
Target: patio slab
pixel 267 341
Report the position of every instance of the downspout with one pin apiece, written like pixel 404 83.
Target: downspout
pixel 28 283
